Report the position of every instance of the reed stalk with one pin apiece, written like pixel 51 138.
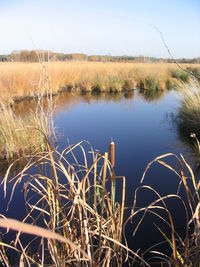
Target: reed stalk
pixel 79 211
pixel 112 162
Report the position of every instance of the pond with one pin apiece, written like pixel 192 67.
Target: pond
pixel 142 128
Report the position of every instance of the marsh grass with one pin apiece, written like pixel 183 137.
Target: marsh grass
pixel 195 71
pixel 18 136
pixel 71 204
pixel 172 83
pixel 21 136
pixel 20 80
pixel 189 112
pixel 181 75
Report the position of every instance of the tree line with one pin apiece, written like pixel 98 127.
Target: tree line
pixel 35 56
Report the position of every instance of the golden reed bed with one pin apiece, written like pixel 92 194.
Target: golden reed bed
pixel 24 79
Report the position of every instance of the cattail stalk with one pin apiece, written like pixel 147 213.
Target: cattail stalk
pixel 112 162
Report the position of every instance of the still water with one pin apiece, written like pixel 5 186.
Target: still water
pixel 142 129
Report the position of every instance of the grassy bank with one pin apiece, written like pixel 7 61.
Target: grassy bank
pixel 18 136
pixel 189 112
pixel 188 122
pixel 22 135
pixel 21 80
pixel 73 209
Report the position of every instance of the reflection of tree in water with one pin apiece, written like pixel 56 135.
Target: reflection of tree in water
pixel 151 95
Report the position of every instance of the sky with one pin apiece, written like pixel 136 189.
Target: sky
pixel 115 27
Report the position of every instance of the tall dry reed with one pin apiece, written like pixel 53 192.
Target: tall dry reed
pixel 73 201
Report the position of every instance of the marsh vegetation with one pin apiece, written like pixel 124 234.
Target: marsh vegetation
pixel 20 80
pixel 75 201
pixel 189 113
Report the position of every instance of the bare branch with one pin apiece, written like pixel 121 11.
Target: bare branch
pixel 174 60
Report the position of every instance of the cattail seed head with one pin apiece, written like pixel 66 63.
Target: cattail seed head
pixel 112 154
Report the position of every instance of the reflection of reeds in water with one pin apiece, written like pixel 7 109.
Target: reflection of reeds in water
pixel 62 101
pixel 152 95
pixel 66 101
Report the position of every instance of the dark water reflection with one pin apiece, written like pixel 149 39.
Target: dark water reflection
pixel 141 127
pixel 152 95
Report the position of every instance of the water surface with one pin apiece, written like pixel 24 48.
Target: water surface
pixel 142 129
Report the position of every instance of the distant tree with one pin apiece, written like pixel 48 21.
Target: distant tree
pixel 32 56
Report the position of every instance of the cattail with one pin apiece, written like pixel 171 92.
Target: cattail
pixel 112 153
pixel 112 162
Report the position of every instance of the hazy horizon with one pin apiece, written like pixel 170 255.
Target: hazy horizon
pixel 102 27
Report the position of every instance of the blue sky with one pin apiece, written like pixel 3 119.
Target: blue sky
pixel 116 27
